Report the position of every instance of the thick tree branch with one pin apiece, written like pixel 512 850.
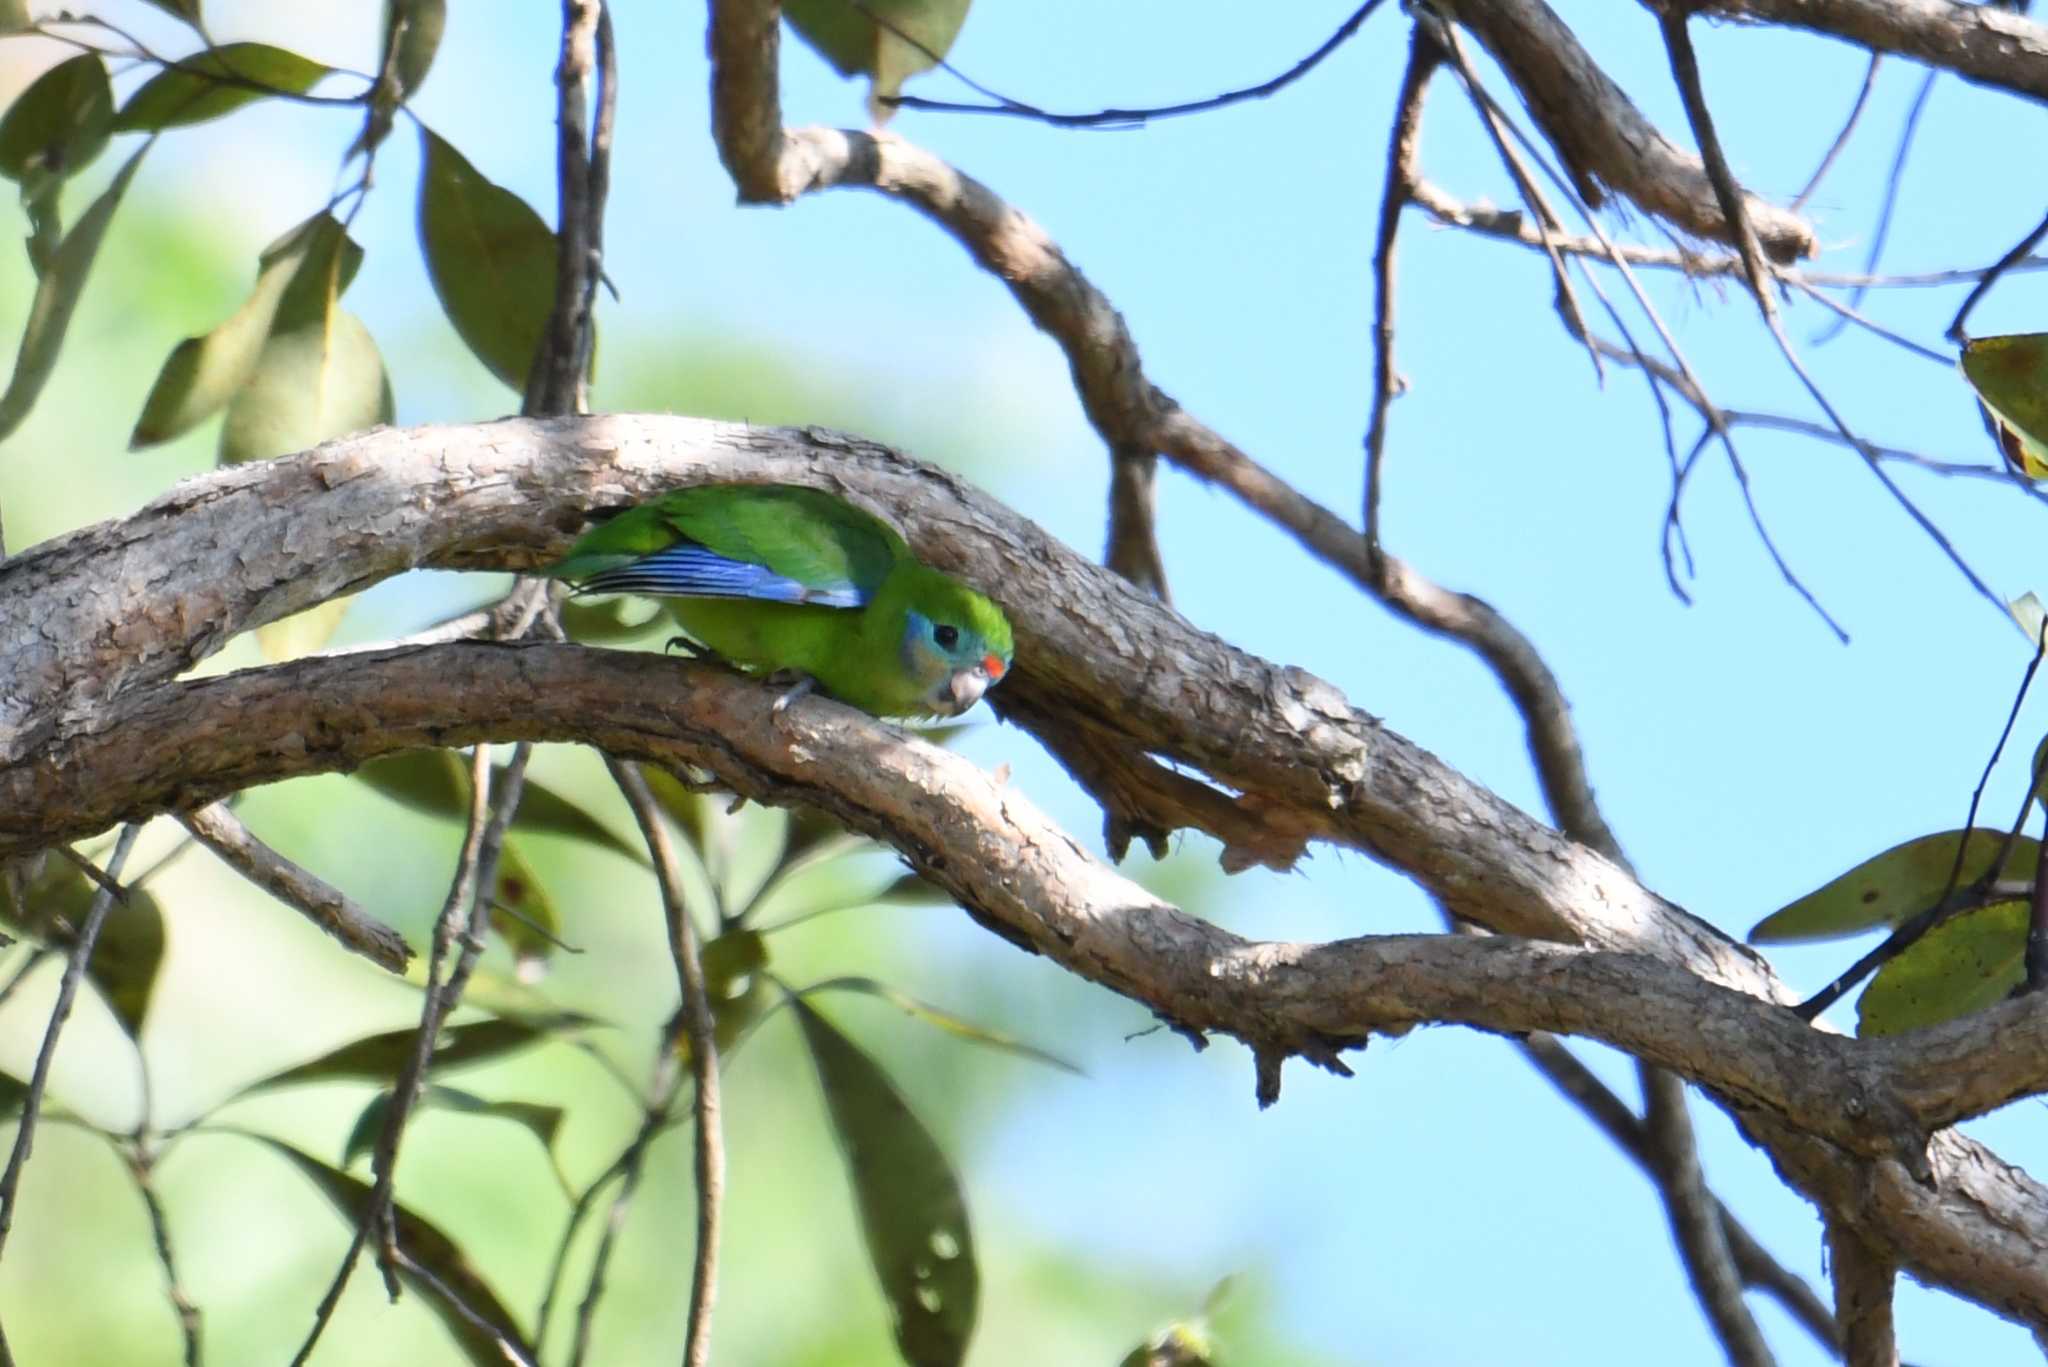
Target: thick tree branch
pixel 1985 43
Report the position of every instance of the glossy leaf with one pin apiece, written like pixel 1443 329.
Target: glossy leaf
pixel 911 1211
pixel 492 260
pixel 427 1246
pixel 214 82
pixel 204 373
pixel 524 915
pixel 887 41
pixel 2010 375
pixel 933 1016
pixel 1963 965
pixel 1887 888
pixel 437 782
pixel 378 1058
pixel 63 280
pixel 59 124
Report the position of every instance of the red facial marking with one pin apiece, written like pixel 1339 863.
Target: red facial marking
pixel 994 666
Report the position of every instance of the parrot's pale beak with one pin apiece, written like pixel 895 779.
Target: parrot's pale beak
pixel 964 689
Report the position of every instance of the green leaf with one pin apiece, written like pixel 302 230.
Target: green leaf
pixel 2010 375
pixel 524 915
pixel 57 298
pixel 1963 965
pixel 311 383
pixel 412 35
pixel 542 1122
pixel 910 1205
pixel 214 82
pixel 932 1015
pixel 54 901
pixel 426 1245
pixel 302 633
pixel 912 36
pixel 188 10
pixel 378 1058
pixel 436 782
pixel 492 260
pixel 1887 888
pixel 608 621
pixel 59 124
pixel 204 373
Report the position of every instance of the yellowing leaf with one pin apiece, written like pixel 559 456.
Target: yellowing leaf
pixel 2010 375
pixel 302 633
pixel 204 373
pixel 1887 888
pixel 492 260
pixel 217 81
pixel 1963 965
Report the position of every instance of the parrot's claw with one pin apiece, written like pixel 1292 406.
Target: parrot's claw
pixel 802 687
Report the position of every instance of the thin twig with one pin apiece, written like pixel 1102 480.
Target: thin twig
pixel 1841 141
pixel 1890 203
pixel 701 1030
pixel 2011 261
pixel 77 956
pixel 327 907
pixel 561 365
pixel 142 1165
pixel 512 1352
pixel 1118 118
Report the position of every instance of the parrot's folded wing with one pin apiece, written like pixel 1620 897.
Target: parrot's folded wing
pixel 688 570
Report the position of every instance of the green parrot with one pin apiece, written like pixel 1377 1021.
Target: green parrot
pixel 779 578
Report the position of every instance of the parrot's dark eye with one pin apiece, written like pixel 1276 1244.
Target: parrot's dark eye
pixel 946 636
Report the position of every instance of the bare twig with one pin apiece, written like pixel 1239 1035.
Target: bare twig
pixel 77 955
pixel 1893 181
pixel 514 1354
pixel 561 366
pixel 701 1031
pixel 142 1165
pixel 1848 130
pixel 1123 118
pixel 327 907
pixel 2007 263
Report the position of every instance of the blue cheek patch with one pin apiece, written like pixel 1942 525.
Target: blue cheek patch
pixel 688 570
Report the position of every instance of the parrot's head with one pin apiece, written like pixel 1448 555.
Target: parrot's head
pixel 955 644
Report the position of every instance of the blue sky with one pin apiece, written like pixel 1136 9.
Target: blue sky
pixel 1442 1206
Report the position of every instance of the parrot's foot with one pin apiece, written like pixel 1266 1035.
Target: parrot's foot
pixel 802 687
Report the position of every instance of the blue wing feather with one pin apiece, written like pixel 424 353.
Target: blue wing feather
pixel 688 570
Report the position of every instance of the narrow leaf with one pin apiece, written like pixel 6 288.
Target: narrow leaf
pixel 379 1057
pixel 218 81
pixel 427 1246
pixel 1962 965
pixel 1887 888
pixel 57 299
pixel 932 1015
pixel 492 260
pixel 204 373
pixel 542 1122
pixel 436 782
pixel 911 1210
pixel 59 124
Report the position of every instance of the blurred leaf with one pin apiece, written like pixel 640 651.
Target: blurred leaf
pixel 1963 965
pixel 2010 375
pixel 932 1015
pixel 436 782
pixel 492 260
pixel 687 808
pixel 188 10
pixel 412 35
pixel 913 889
pixel 730 958
pixel 13 1091
pixel 54 900
pixel 524 915
pixel 1887 888
pixel 311 384
pixel 542 1122
pixel 214 82
pixel 14 15
pixel 911 36
pixel 2028 612
pixel 911 1210
pixel 56 298
pixel 204 373
pixel 302 633
pixel 605 622
pixel 426 1245
pixel 59 124
pixel 1177 1345
pixel 378 1058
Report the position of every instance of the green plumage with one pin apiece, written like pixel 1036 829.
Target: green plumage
pixel 776 577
